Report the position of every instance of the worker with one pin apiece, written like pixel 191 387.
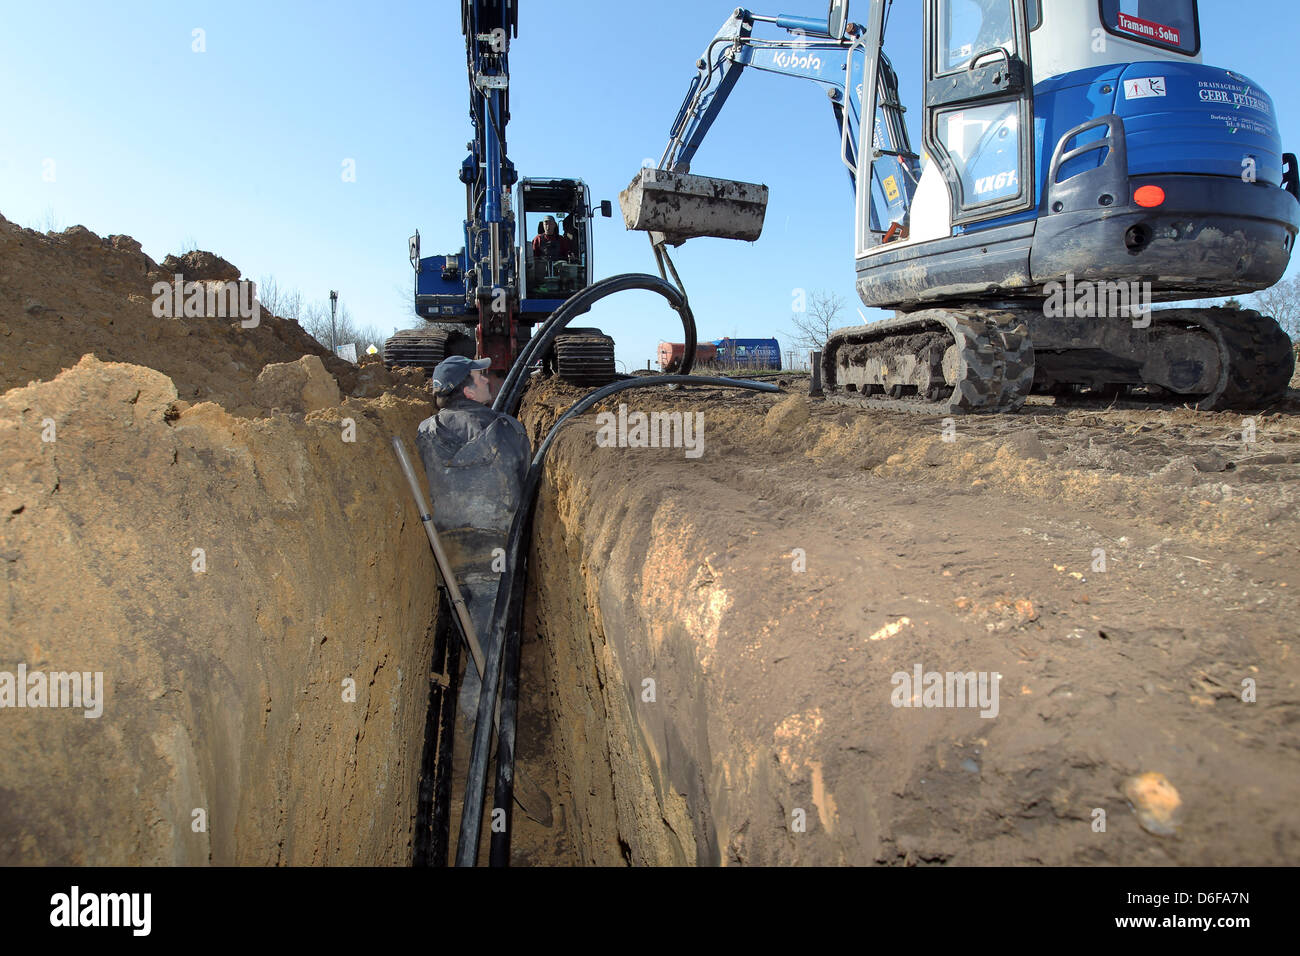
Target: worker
pixel 476 459
pixel 549 244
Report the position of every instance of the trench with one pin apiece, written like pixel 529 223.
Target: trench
pixel 210 517
pixel 716 643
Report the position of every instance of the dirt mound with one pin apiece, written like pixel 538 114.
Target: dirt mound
pixel 198 265
pixel 218 600
pixel 64 295
pixel 740 648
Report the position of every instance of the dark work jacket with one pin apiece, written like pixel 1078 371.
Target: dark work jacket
pixel 476 460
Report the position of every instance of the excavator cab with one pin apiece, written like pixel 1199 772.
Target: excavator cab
pixel 555 270
pixel 1042 148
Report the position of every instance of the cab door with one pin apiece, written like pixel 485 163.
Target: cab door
pixel 979 106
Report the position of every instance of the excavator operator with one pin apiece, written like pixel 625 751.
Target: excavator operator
pixel 549 244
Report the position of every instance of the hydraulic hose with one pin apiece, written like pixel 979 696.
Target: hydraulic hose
pixel 505 620
pixel 511 392
pixel 426 799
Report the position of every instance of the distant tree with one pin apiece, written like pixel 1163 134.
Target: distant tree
pixel 268 293
pixel 314 317
pixel 49 221
pixel 1282 302
pixel 291 302
pixel 814 326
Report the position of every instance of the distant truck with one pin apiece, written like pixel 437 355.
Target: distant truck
pixel 670 355
pixel 763 354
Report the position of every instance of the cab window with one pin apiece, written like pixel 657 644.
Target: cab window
pixel 972 27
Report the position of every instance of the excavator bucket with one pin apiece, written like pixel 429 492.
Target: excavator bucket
pixel 679 206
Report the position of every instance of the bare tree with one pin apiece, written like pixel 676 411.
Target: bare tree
pixel 814 326
pixel 291 302
pixel 1282 302
pixel 268 293
pixel 49 221
pixel 314 317
pixel 314 320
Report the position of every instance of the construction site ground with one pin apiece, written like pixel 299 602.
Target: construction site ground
pixel 712 643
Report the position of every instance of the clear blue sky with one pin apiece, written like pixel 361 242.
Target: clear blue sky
pixel 239 149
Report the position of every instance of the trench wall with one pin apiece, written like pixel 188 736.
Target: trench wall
pixel 258 596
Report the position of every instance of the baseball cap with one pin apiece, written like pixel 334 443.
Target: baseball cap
pixel 453 370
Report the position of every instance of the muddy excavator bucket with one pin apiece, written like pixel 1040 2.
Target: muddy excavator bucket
pixel 679 206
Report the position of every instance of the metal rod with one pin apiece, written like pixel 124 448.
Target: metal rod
pixel 440 558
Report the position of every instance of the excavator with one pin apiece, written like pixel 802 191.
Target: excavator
pixel 484 300
pixel 1080 163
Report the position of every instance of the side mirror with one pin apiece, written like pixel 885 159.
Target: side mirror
pixel 606 209
pixel 414 246
pixel 837 19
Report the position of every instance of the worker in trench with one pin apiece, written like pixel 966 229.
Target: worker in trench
pixel 476 459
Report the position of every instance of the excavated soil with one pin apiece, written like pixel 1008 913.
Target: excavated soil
pixel 721 635
pixel 209 517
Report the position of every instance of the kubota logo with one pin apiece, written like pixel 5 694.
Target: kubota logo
pixel 790 60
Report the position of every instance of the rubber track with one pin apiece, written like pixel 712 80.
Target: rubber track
pixel 995 366
pixel 585 357
pixel 1257 356
pixel 416 347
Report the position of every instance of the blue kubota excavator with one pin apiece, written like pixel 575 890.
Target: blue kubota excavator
pixel 1079 163
pixel 485 299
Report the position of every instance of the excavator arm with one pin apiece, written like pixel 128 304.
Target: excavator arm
pixel 838 62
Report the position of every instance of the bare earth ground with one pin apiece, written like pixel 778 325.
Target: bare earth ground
pixel 978 554
pixel 228 689
pixel 210 516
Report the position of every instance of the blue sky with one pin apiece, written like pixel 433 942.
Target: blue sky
pixel 240 148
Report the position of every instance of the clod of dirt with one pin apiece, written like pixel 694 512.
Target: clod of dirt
pixel 198 265
pixel 1211 462
pixel 787 416
pixel 373 379
pixel 1025 443
pixel 301 386
pixel 1155 801
pixel 1180 471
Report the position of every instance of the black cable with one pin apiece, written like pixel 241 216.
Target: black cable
pixel 505 786
pixel 433 806
pixel 426 799
pixel 511 392
pixel 505 617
